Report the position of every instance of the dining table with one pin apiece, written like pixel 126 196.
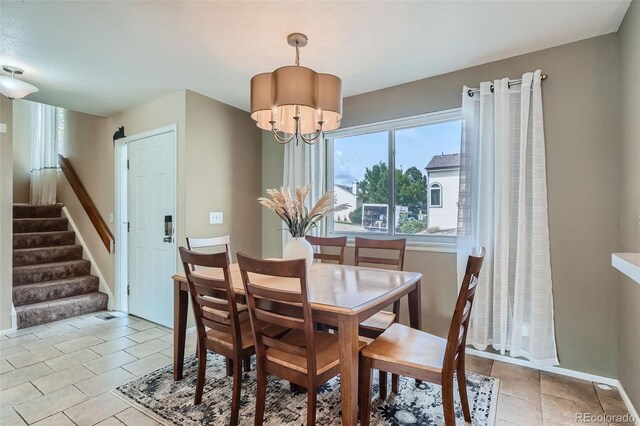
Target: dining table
pixel 341 296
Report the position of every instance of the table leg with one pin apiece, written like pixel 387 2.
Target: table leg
pixel 415 308
pixel 180 309
pixel 348 340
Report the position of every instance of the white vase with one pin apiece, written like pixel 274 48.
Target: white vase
pixel 298 248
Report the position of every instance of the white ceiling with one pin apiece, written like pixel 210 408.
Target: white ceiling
pixel 102 57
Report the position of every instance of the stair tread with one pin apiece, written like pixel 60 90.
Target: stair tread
pixel 61 281
pixel 36 233
pixel 34 249
pixel 49 265
pixel 36 219
pixel 45 211
pixel 45 239
pixel 62 301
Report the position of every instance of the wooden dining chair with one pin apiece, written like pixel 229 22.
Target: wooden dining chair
pixel 304 356
pixel 194 244
pixel 322 242
pixel 381 321
pixel 218 323
pixel 410 352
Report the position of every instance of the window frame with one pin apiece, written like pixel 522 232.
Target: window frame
pixel 442 243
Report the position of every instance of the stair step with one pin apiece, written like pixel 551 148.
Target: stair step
pixel 34 256
pixel 39 225
pixel 43 239
pixel 21 211
pixel 59 309
pixel 49 290
pixel 30 274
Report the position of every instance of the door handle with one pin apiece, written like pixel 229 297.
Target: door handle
pixel 168 229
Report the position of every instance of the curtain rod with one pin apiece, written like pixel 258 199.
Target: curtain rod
pixel 471 92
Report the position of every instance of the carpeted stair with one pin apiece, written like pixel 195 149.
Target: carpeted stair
pixel 51 280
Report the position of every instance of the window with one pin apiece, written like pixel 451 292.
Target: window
pixel 395 176
pixel 435 195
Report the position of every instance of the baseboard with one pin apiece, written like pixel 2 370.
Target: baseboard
pixel 563 372
pixel 14 322
pixel 94 266
pixel 628 403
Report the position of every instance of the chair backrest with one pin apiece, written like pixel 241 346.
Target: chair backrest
pixel 282 308
pixel 457 338
pixel 398 245
pixel 211 297
pixel 321 242
pixel 196 243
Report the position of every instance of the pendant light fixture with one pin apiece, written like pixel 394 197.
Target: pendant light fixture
pixel 13 88
pixel 295 102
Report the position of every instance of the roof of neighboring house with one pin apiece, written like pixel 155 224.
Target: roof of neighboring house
pixel 444 161
pixel 346 188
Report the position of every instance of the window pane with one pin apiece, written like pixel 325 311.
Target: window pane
pixel 435 196
pixel 361 178
pixel 427 155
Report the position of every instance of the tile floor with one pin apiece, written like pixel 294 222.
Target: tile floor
pixel 61 374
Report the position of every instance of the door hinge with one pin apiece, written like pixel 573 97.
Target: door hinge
pixel 128 226
pixel 127 164
pixel 128 288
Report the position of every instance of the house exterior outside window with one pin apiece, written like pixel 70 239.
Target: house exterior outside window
pixel 443 181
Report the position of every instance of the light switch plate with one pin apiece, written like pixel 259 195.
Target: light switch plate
pixel 3 128
pixel 215 218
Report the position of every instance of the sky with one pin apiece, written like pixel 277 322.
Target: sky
pixel 414 147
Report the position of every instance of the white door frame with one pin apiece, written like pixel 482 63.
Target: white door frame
pixel 121 205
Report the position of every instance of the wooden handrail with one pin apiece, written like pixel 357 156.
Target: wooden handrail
pixel 90 208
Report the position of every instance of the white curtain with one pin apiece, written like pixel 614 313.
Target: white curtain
pixel 503 207
pixel 304 164
pixel 44 154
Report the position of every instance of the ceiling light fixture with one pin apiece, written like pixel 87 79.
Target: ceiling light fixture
pixel 296 102
pixel 13 88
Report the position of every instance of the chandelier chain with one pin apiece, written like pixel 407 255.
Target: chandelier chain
pixel 297 55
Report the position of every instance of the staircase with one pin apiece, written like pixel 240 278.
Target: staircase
pixel 51 280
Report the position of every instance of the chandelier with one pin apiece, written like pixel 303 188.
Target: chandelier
pixel 13 88
pixel 296 102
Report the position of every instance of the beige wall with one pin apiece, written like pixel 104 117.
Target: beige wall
pixel 580 107
pixel 223 164
pixel 21 151
pixel 219 169
pixel 629 291
pixel 6 214
pixel 89 148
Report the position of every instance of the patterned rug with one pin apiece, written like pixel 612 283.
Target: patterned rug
pixel 172 402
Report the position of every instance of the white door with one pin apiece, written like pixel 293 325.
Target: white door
pixel 151 213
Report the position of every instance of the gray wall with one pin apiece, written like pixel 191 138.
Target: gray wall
pixel 629 291
pixel 580 107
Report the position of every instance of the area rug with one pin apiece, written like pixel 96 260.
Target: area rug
pixel 416 404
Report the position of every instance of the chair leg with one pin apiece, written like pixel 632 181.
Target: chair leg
pixel 395 383
pixel 202 368
pixel 229 364
pixel 261 394
pixel 365 391
pixel 247 364
pixel 237 388
pixel 447 402
pixel 462 389
pixel 382 379
pixel 312 400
